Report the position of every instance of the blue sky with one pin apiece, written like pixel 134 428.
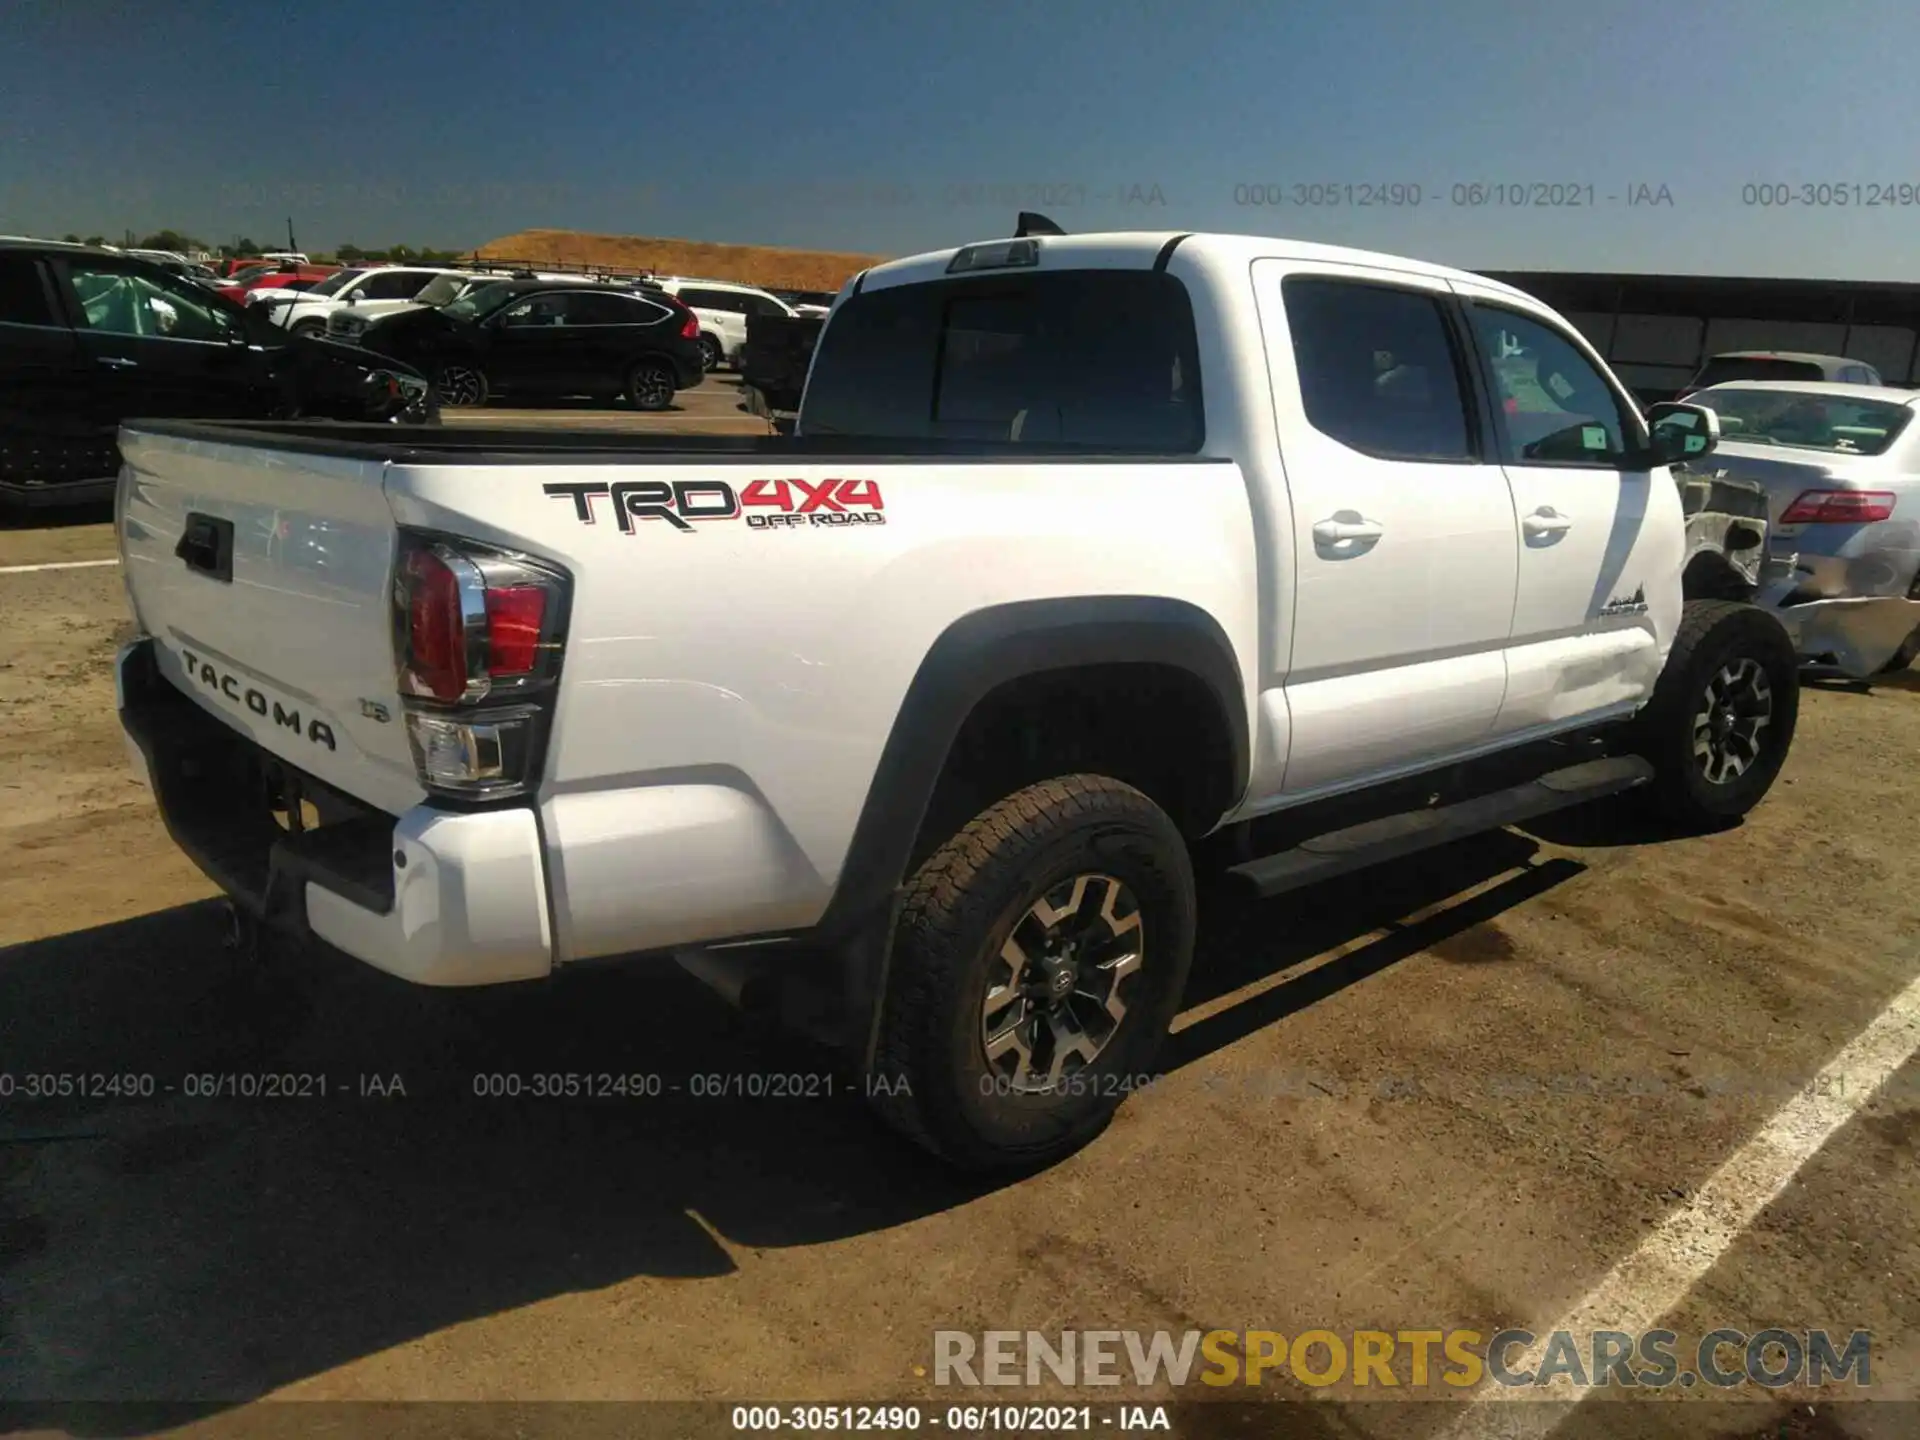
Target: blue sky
pixel 889 128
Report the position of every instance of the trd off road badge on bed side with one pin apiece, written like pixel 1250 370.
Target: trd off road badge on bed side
pixel 763 504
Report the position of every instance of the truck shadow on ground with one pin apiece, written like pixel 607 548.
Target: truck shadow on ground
pixel 171 1247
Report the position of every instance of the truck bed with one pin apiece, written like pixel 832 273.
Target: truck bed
pixel 436 444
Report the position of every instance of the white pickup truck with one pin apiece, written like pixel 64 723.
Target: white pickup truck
pixel 1087 549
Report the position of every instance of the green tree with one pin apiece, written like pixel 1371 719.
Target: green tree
pixel 170 240
pixel 349 254
pixel 71 239
pixel 95 240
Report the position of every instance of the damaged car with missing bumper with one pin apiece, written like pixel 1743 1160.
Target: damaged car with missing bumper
pixel 1839 467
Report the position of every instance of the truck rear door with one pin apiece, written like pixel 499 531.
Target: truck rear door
pixel 1403 536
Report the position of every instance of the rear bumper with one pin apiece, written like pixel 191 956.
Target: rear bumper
pixel 434 896
pixel 60 492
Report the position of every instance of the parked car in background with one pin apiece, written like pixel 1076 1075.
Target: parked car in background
pixel 1841 467
pixel 349 322
pixel 723 307
pixel 243 285
pixel 89 338
pixel 806 302
pixel 373 291
pixel 773 363
pixel 1780 365
pixel 547 338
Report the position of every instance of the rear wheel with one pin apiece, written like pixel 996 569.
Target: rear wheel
pixel 651 385
pixel 1039 958
pixel 1723 714
pixel 461 387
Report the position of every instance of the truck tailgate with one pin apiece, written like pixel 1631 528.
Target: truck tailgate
pixel 278 618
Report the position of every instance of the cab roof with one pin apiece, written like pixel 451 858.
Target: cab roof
pixel 1140 249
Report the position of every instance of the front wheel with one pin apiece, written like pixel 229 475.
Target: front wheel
pixel 1039 958
pixel 652 384
pixel 312 329
pixel 1723 714
pixel 710 356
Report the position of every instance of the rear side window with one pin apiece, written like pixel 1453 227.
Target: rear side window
pixel 1755 367
pixel 1099 358
pixel 23 296
pixel 1379 370
pixel 715 300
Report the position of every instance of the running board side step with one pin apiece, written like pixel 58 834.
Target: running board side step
pixel 1341 851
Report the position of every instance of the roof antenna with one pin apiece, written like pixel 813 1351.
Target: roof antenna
pixel 1032 224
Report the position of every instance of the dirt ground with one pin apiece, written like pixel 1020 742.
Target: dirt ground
pixel 1454 1092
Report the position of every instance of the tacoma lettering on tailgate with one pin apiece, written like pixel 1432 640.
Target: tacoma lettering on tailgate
pixel 317 731
pixel 763 504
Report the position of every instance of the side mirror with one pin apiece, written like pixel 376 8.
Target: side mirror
pixel 353 297
pixel 1681 431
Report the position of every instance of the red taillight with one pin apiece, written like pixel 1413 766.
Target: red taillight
pixel 690 330
pixel 435 656
pixel 1839 507
pixel 515 615
pixel 478 637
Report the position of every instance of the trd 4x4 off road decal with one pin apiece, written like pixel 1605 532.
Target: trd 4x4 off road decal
pixel 763 504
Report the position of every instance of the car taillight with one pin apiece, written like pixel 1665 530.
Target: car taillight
pixel 691 329
pixel 473 627
pixel 1839 507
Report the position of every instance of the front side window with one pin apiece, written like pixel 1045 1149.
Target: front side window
pixel 118 302
pixel 1102 358
pixel 336 282
pixel 1378 370
pixel 538 311
pixel 393 284
pixel 1554 407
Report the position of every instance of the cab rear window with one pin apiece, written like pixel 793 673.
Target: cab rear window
pixel 1102 358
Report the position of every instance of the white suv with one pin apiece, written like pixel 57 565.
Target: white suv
pixel 723 307
pixel 371 291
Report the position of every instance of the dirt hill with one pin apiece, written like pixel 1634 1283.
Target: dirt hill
pixel 752 264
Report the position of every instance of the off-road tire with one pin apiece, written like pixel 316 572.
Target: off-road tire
pixel 931 1079
pixel 1713 635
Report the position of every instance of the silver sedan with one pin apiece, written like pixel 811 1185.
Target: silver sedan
pixel 1841 467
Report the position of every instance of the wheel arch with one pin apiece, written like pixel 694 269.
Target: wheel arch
pixel 991 648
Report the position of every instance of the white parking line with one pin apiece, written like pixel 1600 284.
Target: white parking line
pixel 60 565
pixel 1653 1281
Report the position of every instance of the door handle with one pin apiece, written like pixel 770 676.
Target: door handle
pixel 1332 532
pixel 119 362
pixel 1546 521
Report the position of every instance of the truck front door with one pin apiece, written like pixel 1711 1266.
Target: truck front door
pixel 1601 534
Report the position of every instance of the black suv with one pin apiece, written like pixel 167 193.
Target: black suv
pixel 549 338
pixel 90 338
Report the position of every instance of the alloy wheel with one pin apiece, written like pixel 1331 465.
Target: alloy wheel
pixel 462 386
pixel 1729 727
pixel 1055 999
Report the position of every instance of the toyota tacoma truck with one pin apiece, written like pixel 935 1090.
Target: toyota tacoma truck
pixel 1092 559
